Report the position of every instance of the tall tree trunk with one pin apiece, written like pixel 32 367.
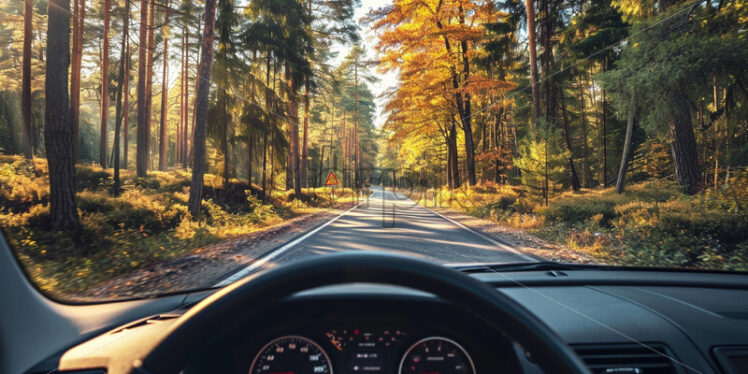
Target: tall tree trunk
pixel 450 183
pixel 104 112
pixel 355 120
pixel 683 146
pixel 126 93
pixel 455 158
pixel 178 143
pixel 549 89
pixel 122 76
pixel 332 133
pixel 163 137
pixel 318 173
pixel 289 161
pixel 28 14
pixel 58 132
pixel 201 109
pixel 182 99
pixel 186 128
pixel 225 141
pixel 189 155
pixel 626 156
pixel 716 134
pixel 149 81
pixel 604 140
pixel 264 161
pixel 141 155
pixel 575 185
pixel 467 121
pixel 273 156
pixel 268 109
pixel 293 106
pixel 75 73
pixel 250 149
pixel 305 140
pixel 530 9
pixel 344 150
pixel 498 145
pixel 583 112
pixel 290 131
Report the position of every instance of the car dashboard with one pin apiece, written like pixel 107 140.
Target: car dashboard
pixel 647 322
pixel 366 334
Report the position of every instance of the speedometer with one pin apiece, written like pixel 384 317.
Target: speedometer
pixel 436 355
pixel 291 354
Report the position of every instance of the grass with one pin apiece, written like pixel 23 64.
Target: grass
pixel 650 224
pixel 147 223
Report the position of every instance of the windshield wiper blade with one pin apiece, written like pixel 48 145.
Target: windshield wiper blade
pixel 527 266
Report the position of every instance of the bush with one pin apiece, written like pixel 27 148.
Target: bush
pixel 681 232
pixel 91 178
pixel 581 210
pixel 20 189
pixel 651 224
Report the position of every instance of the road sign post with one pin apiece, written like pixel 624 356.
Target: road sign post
pixel 332 182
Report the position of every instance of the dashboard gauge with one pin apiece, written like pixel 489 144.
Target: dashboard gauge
pixel 364 339
pixel 436 355
pixel 291 355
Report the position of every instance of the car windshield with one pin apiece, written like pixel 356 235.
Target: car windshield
pixel 149 147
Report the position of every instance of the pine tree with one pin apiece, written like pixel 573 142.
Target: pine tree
pixel 201 110
pixel 141 154
pixel 104 111
pixel 58 132
pixel 28 14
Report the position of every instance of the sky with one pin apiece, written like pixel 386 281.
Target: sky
pixel 369 40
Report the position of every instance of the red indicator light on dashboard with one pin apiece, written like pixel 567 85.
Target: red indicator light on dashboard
pixel 355 332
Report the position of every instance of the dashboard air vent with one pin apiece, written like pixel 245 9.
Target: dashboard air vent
pixel 627 359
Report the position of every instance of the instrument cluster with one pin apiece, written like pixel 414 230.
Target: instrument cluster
pixel 371 351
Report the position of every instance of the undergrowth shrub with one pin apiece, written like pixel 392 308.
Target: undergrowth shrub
pixel 91 178
pixel 148 222
pixel 650 224
pixel 580 210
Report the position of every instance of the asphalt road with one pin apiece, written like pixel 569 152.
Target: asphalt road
pixel 412 230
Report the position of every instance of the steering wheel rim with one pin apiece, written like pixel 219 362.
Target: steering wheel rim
pixel 494 308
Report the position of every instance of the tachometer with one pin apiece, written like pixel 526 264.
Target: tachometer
pixel 291 355
pixel 436 355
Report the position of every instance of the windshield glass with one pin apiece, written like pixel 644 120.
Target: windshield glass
pixel 159 146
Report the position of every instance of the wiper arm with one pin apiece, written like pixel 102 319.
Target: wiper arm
pixel 526 266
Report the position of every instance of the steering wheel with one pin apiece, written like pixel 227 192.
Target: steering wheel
pixel 497 310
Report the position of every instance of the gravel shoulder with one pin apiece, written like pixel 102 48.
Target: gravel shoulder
pixel 520 240
pixel 207 266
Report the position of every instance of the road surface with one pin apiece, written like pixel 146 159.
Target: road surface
pixel 413 230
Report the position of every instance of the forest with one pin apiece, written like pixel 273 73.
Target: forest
pixel 192 121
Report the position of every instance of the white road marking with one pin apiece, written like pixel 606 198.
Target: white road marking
pixel 262 261
pixel 486 237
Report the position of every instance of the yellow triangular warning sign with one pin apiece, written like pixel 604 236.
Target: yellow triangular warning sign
pixel 331 180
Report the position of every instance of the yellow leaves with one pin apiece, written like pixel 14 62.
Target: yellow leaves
pixel 482 85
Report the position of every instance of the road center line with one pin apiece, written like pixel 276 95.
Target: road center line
pixel 275 253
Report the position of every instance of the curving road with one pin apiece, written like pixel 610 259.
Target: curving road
pixel 412 230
